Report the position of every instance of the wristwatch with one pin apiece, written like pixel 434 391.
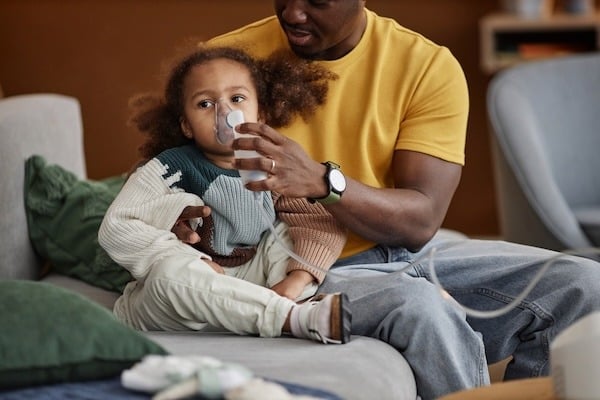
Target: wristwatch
pixel 336 182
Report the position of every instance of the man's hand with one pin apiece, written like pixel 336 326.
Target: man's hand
pixel 182 228
pixel 292 173
pixel 293 284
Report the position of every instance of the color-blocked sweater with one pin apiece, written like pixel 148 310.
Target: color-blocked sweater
pixel 136 229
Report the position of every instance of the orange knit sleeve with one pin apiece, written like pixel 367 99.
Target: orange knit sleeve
pixel 318 238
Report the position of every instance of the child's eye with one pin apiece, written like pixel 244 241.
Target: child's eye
pixel 237 98
pixel 205 104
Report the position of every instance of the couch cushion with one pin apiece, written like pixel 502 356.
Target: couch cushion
pixel 64 214
pixel 98 295
pixel 364 368
pixel 49 334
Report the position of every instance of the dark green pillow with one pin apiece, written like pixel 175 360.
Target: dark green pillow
pixel 50 335
pixel 64 214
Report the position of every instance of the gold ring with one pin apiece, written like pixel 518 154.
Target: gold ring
pixel 272 166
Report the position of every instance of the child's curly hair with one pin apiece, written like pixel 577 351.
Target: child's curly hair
pixel 286 86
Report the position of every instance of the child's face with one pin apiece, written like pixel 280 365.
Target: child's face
pixel 220 82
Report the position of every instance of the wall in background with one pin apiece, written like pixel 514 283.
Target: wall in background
pixel 103 51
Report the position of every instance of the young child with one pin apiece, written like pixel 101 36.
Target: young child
pixel 223 281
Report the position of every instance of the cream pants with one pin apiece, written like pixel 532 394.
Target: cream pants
pixel 185 293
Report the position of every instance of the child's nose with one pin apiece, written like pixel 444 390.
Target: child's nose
pixel 223 106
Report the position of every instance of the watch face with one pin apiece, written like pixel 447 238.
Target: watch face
pixel 337 180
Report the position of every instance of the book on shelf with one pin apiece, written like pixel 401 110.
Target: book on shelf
pixel 528 51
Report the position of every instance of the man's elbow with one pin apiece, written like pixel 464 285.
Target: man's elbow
pixel 412 239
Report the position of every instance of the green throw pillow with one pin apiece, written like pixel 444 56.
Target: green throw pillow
pixel 50 335
pixel 64 214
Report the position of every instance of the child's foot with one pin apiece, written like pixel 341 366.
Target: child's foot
pixel 324 318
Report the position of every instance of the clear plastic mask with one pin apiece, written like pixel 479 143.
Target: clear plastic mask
pixel 223 131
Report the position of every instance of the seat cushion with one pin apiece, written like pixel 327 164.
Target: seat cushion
pixel 105 298
pixel 364 368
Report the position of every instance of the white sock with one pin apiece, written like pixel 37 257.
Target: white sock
pixel 311 320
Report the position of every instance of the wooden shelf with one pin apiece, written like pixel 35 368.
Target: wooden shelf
pixel 507 39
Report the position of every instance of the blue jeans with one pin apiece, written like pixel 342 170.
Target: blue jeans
pixel 447 350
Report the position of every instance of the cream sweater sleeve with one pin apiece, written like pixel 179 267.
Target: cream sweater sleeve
pixel 136 230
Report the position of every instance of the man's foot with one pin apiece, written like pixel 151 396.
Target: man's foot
pixel 325 318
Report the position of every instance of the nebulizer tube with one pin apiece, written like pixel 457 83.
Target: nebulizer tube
pixel 517 300
pixel 231 118
pixel 429 259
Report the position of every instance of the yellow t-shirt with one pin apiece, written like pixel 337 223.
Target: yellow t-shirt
pixel 396 90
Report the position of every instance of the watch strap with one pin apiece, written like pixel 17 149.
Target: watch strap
pixel 333 196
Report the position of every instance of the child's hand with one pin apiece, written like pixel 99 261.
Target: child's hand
pixel 293 284
pixel 182 228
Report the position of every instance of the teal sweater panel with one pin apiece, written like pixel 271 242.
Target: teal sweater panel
pixel 236 224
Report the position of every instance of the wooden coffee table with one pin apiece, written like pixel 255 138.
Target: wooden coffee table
pixel 521 389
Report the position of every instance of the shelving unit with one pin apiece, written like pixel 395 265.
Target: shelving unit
pixel 507 39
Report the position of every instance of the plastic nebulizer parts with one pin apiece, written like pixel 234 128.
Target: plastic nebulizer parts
pixel 575 360
pixel 223 132
pixel 233 119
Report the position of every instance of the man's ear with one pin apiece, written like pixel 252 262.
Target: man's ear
pixel 185 128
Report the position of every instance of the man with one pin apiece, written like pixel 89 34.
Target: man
pixel 395 121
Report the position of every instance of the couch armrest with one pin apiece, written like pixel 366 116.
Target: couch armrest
pixel 45 124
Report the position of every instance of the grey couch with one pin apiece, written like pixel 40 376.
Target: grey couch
pixel 50 125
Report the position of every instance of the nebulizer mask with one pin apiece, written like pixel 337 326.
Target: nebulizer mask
pixel 226 119
pixel 224 132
